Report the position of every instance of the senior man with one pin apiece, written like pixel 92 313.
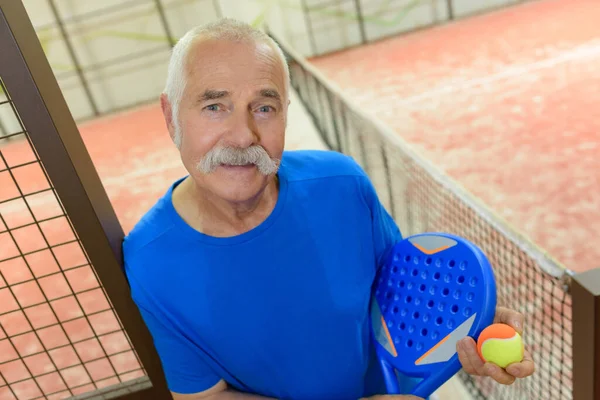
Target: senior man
pixel 253 272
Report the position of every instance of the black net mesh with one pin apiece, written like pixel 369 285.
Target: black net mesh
pixel 59 334
pixel 423 200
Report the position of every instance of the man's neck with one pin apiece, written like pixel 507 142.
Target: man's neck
pixel 214 216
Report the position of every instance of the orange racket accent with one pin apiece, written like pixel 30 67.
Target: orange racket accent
pixel 432 349
pixel 389 338
pixel 432 251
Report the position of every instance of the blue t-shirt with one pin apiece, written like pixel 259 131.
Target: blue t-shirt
pixel 281 310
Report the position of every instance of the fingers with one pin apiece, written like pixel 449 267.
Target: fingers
pixel 469 358
pixel 392 397
pixel 523 369
pixel 474 365
pixel 498 374
pixel 515 319
pixel 510 317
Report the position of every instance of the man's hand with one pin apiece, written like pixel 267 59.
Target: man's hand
pixel 473 365
pixel 392 397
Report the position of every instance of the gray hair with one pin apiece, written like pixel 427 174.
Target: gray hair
pixel 225 29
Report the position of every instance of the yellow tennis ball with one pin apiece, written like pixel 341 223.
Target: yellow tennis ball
pixel 500 344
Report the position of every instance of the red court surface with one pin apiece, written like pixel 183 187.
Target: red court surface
pixel 507 104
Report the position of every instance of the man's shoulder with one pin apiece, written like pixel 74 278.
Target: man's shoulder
pixel 319 164
pixel 154 224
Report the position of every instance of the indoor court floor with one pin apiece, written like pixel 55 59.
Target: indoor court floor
pixel 507 104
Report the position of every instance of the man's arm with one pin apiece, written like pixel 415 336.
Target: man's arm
pixel 221 391
pixel 386 233
pixel 184 367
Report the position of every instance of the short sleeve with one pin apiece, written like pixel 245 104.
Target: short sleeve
pixel 385 230
pixel 185 369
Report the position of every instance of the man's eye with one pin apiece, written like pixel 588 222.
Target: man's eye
pixel 265 109
pixel 213 107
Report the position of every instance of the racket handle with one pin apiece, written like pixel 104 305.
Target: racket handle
pixel 391 380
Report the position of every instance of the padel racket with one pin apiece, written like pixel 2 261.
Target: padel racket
pixel 433 290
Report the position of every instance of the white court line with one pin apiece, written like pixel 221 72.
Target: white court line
pixel 582 52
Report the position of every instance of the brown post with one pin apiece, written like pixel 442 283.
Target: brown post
pixel 585 292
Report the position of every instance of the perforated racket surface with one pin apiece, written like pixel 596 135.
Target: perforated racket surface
pixel 433 290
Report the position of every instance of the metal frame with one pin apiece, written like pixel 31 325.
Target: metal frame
pixel 361 21
pixel 165 22
pixel 74 58
pixel 42 108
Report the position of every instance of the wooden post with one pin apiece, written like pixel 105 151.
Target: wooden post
pixel 585 292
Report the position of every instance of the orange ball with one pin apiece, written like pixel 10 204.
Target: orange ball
pixel 500 344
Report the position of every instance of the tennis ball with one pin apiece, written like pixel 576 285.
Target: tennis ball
pixel 500 344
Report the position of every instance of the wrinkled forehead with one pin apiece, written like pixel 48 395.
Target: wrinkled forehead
pixel 223 63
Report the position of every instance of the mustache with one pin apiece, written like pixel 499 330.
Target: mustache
pixel 254 154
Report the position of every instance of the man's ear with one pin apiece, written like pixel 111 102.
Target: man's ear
pixel 287 108
pixel 167 110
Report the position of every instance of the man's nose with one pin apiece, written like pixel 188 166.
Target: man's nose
pixel 243 132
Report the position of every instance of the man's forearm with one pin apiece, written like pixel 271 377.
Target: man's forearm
pixel 221 391
pixel 232 394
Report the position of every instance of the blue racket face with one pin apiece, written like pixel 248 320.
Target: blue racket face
pixel 434 290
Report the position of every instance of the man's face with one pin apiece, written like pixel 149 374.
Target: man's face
pixel 233 111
